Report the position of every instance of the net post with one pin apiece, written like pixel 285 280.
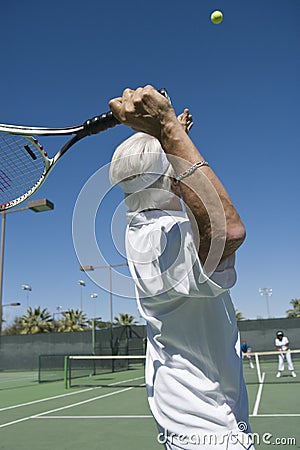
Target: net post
pixel 66 372
pixel 93 336
pixel 39 369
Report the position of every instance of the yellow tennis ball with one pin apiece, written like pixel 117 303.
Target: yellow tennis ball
pixel 216 17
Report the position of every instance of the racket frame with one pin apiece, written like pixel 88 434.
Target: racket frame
pixel 89 127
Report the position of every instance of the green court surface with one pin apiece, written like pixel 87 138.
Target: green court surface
pixel 47 416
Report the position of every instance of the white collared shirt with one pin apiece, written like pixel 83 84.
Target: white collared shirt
pixel 193 373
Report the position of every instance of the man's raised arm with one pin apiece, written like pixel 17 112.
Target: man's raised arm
pixel 220 227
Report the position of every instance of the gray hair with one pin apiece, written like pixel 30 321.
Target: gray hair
pixel 140 167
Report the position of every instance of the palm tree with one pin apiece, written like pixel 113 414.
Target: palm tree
pixel 35 321
pixel 239 315
pixel 98 323
pixel 73 320
pixel 15 328
pixel 124 319
pixel 295 312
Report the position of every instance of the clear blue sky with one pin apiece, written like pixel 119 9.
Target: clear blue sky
pixel 62 61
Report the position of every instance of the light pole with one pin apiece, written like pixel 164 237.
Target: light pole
pixel 82 285
pixel 34 205
pixel 94 319
pixel 109 267
pixel 12 304
pixel 59 311
pixel 9 304
pixel 266 292
pixel 27 288
pixel 94 295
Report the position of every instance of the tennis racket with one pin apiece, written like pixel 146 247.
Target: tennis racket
pixel 25 165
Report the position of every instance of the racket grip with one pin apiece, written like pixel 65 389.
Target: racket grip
pixel 100 123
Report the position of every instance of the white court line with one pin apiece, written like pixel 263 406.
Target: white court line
pixel 47 399
pixel 95 417
pixel 14 422
pixel 64 407
pixel 258 397
pixel 127 381
pixel 276 415
pixel 66 395
pixel 147 416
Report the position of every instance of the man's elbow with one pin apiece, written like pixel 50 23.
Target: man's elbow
pixel 236 234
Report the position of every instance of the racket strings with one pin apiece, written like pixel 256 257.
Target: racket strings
pixel 21 166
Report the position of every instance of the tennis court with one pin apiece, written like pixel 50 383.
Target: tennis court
pixel 114 414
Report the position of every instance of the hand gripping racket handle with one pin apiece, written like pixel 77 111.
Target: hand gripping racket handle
pixel 107 120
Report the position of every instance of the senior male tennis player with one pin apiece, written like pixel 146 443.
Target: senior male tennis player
pixel 182 234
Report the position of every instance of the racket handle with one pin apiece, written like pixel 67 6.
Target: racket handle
pixel 107 120
pixel 100 123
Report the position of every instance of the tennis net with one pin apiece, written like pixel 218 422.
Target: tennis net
pixel 50 368
pixel 262 367
pixel 128 370
pixel 110 371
